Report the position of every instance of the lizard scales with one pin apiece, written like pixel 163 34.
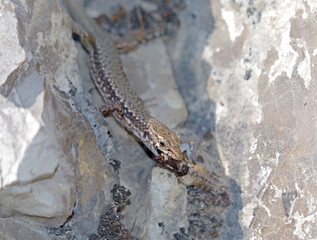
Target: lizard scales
pixel 128 108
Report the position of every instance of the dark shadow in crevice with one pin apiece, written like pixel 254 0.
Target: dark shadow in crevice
pixel 191 74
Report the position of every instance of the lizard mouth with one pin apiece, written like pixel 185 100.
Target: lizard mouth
pixel 169 153
pixel 157 152
pixel 168 161
pixel 162 155
pixel 159 155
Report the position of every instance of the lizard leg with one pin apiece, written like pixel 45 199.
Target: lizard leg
pixel 110 107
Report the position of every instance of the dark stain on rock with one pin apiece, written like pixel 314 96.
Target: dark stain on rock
pixel 115 164
pixel 205 222
pixel 120 194
pixel 248 74
pixel 182 235
pixel 110 226
pixel 207 135
pixel 288 198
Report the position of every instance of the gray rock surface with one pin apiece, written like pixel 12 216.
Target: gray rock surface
pixel 37 172
pixel 237 82
pixel 263 83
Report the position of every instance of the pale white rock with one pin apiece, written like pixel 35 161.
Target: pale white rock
pixel 58 143
pixel 27 153
pixel 28 157
pixel 168 202
pixel 264 83
pixel 234 24
pixel 11 53
pixel 36 175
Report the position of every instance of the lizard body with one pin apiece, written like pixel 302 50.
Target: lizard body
pixel 128 108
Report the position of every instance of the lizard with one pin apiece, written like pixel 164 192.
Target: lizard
pixel 128 108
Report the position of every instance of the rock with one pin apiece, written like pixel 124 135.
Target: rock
pixel 37 176
pixel 192 72
pixel 15 229
pixel 152 79
pixel 263 85
pixel 238 77
pixel 166 204
pixel 9 60
pixel 59 162
pixel 50 158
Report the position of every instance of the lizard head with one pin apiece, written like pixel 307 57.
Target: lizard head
pixel 164 143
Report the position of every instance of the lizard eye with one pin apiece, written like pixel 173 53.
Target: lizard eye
pixel 162 144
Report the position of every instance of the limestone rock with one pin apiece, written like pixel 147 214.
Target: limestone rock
pixel 245 71
pixel 167 204
pixel 11 229
pixel 58 164
pixel 37 180
pixel 263 83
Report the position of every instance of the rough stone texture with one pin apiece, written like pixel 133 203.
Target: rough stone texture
pixel 59 162
pixel 171 199
pixel 36 178
pixel 263 82
pixel 244 73
pixel 159 90
pixel 52 169
pixel 15 229
pixel 191 73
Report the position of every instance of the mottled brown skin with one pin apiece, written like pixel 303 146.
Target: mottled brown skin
pixel 127 107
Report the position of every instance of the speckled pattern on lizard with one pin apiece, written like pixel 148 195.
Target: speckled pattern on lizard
pixel 128 108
